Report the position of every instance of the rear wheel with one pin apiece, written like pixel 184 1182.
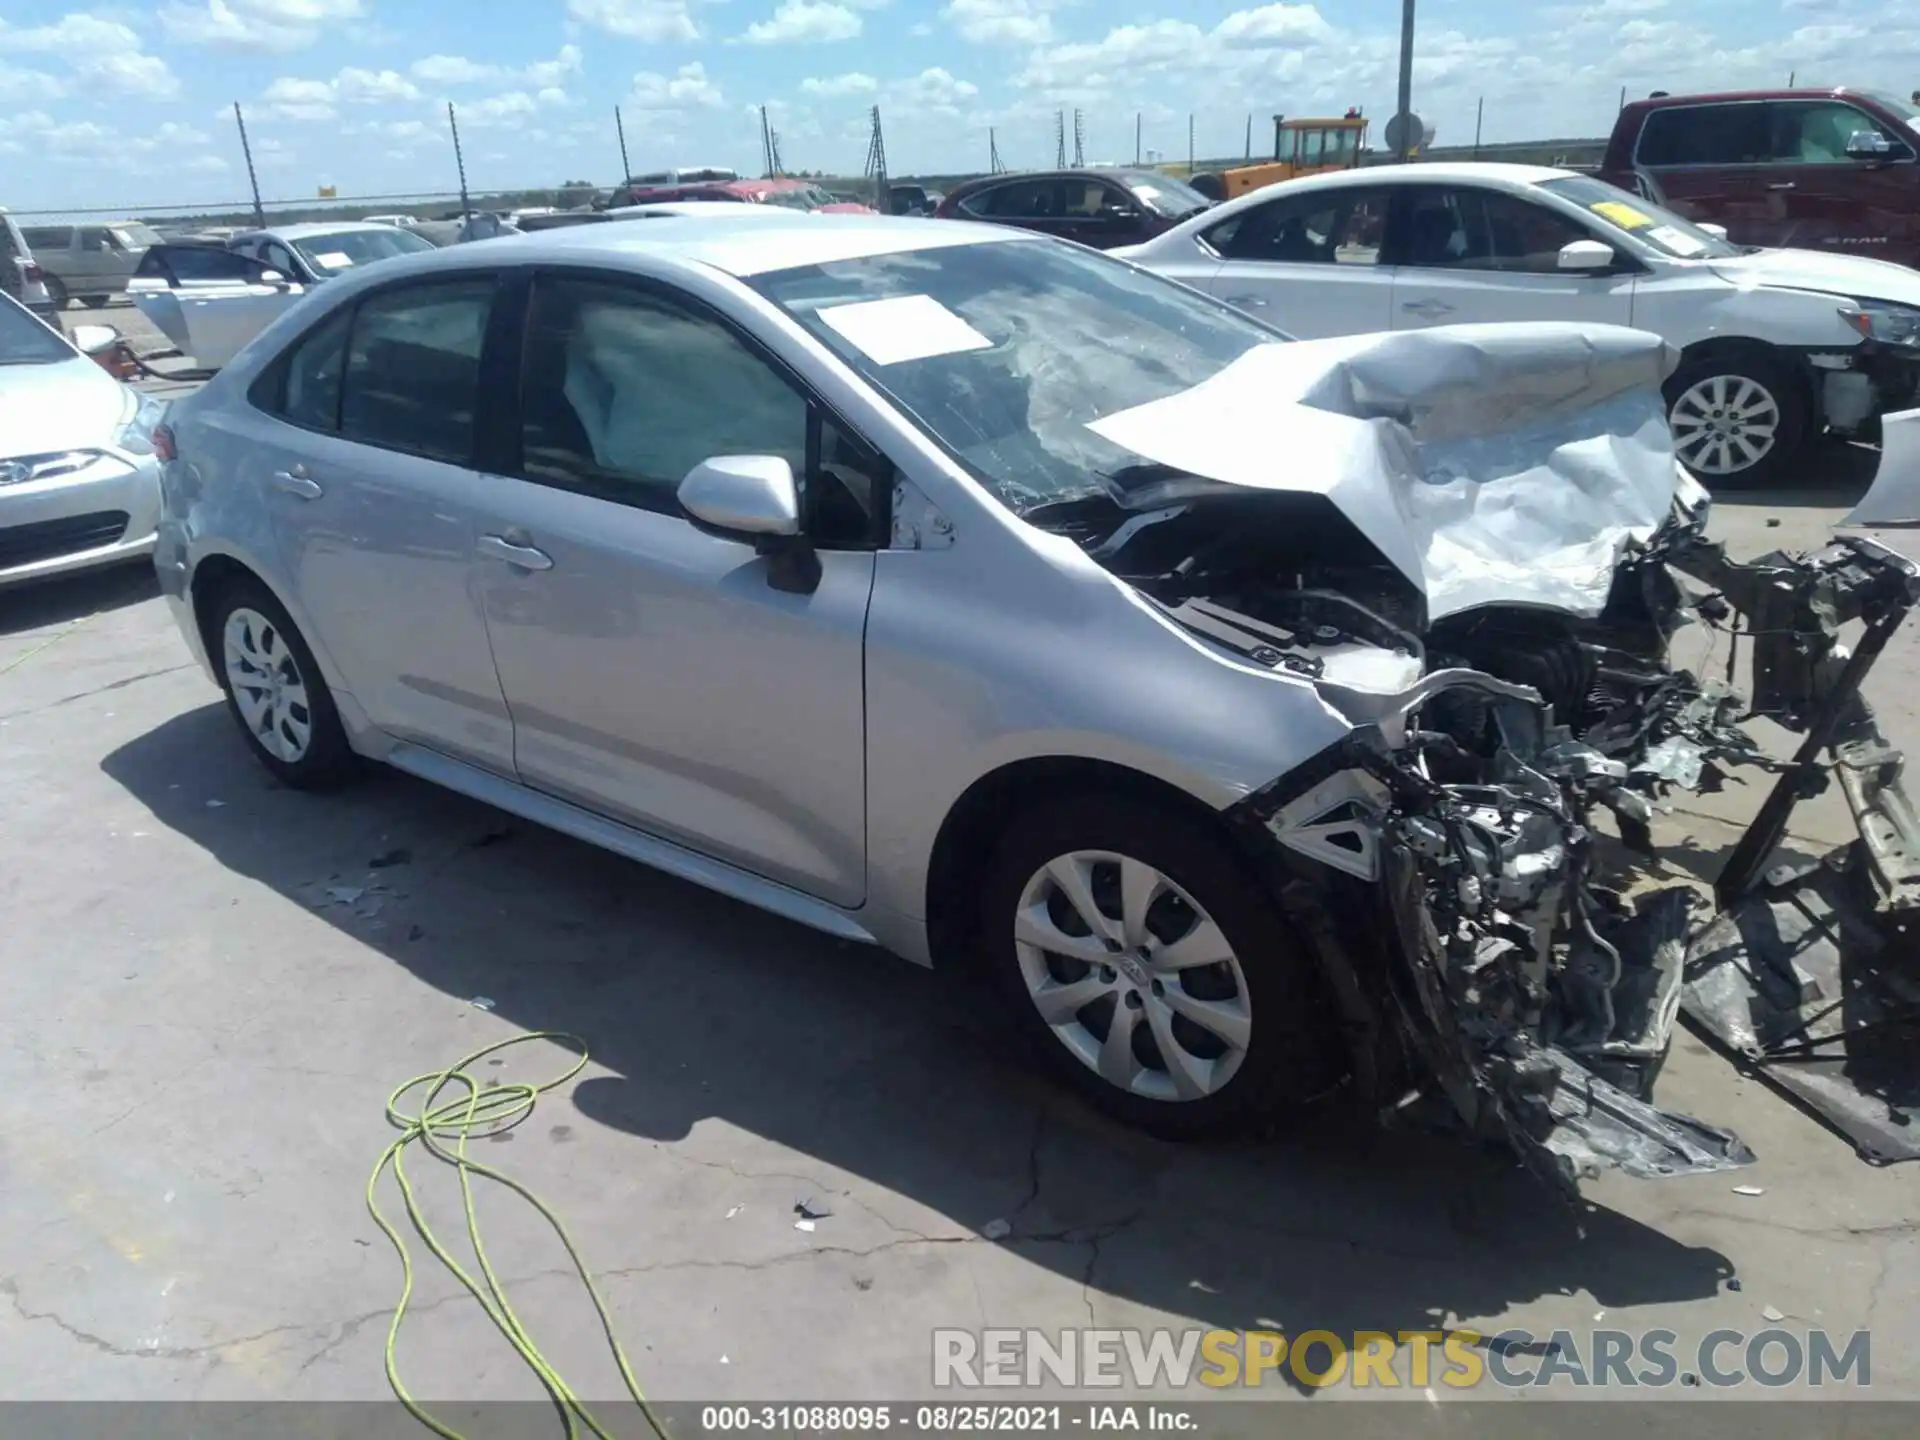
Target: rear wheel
pixel 1149 971
pixel 275 690
pixel 1738 420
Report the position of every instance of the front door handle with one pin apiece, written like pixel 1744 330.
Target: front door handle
pixel 521 557
pixel 1428 307
pixel 295 481
pixel 1245 302
pixel 1781 185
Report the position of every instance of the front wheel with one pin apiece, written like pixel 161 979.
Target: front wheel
pixel 1738 421
pixel 1148 969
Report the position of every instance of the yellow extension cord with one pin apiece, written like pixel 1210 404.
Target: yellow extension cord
pixel 486 1109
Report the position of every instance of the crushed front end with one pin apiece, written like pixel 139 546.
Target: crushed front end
pixel 1476 546
pixel 1465 861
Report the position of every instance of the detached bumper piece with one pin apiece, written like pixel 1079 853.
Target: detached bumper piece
pixel 1812 975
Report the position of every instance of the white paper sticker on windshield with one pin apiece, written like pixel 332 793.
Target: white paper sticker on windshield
pixel 903 327
pixel 1677 241
pixel 334 259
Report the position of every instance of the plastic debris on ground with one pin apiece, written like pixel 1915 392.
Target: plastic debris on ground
pixel 1749 1190
pixel 806 1225
pixel 996 1230
pixel 481 1002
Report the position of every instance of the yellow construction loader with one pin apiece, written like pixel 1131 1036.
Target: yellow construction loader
pixel 1300 147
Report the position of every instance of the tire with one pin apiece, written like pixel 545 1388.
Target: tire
pixel 1210 185
pixel 56 291
pixel 95 302
pixel 1265 994
pixel 1761 402
pixel 251 637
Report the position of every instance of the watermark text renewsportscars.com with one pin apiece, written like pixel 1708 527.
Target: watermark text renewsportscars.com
pixel 1384 1360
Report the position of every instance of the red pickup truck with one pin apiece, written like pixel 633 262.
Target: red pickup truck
pixel 1805 169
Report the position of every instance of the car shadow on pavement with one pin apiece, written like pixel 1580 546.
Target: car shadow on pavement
pixel 1835 473
pixel 73 597
pixel 703 1008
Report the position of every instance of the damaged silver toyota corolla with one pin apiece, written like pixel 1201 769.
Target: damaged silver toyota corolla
pixel 1260 716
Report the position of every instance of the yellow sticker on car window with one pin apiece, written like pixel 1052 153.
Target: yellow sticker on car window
pixel 1621 214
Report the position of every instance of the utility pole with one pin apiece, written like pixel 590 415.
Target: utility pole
pixel 1136 137
pixel 620 129
pixel 994 165
pixel 877 167
pixel 1249 138
pixel 1059 139
pixel 1407 139
pixel 259 214
pixel 460 161
pixel 1623 97
pixel 770 162
pixel 1479 114
pixel 1190 137
pixel 1079 141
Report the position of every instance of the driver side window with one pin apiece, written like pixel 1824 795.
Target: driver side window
pixel 1341 227
pixel 1469 229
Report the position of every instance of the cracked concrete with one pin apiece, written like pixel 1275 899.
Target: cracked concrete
pixel 196 1060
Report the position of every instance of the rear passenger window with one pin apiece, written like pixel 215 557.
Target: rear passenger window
pixel 1017 200
pixel 1706 135
pixel 314 368
pixel 412 373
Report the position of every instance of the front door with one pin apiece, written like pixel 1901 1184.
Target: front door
pixel 1713 163
pixel 1309 263
pixel 209 301
pixel 1466 255
pixel 368 464
pixel 656 673
pixel 1852 206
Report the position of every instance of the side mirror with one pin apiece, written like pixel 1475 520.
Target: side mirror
pixel 106 245
pixel 1585 255
pixel 272 277
pixel 1868 145
pixel 754 498
pixel 94 340
pixel 1719 232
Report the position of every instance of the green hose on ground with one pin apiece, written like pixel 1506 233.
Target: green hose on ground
pixel 486 1109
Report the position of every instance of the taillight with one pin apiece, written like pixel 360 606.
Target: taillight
pixel 33 273
pixel 163 442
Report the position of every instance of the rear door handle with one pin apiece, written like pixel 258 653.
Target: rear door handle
pixel 295 481
pixel 1246 302
pixel 523 557
pixel 1427 307
pixel 1781 185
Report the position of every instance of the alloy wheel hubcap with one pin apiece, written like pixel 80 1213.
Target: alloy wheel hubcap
pixel 1132 976
pixel 267 685
pixel 1725 424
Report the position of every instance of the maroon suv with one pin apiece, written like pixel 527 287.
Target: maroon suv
pixel 1102 208
pixel 1809 169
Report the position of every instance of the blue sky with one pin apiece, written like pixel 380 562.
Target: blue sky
pixel 129 105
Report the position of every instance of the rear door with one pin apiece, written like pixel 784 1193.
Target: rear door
pixel 1715 163
pixel 1308 262
pixel 369 472
pixel 208 300
pixel 1464 254
pixel 1037 203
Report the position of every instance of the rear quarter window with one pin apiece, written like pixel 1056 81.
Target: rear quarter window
pixel 1705 135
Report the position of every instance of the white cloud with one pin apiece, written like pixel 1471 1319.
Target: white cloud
pixel 271 26
pixel 459 70
pixel 687 88
pixel 294 99
pixel 373 87
pixel 835 86
pixel 205 165
pixel 99 50
pixel 802 22
pixel 653 22
pixel 1290 24
pixel 932 90
pixel 23 87
pixel 1001 22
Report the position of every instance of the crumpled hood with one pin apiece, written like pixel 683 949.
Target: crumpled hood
pixel 69 405
pixel 1490 464
pixel 1854 275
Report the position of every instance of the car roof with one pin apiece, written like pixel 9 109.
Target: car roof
pixel 1656 102
pixel 1124 173
pixel 1428 172
pixel 308 228
pixel 751 247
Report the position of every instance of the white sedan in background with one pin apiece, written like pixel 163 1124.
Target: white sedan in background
pixel 1775 344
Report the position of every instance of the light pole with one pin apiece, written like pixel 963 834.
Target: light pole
pixel 1407 139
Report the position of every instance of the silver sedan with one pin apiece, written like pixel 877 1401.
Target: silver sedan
pixel 980 596
pixel 79 481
